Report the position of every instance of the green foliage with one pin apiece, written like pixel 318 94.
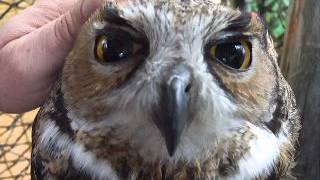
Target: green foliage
pixel 275 13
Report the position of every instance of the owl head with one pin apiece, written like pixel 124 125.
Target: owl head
pixel 175 81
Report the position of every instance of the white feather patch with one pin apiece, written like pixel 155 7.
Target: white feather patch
pixel 82 160
pixel 264 153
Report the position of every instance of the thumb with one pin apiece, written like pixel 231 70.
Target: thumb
pixel 57 37
pixel 66 27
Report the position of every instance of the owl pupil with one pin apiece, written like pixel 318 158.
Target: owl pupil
pixel 116 49
pixel 231 54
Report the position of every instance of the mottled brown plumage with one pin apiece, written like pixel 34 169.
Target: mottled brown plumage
pixel 168 90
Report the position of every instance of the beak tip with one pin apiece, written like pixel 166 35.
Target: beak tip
pixel 171 151
pixel 172 146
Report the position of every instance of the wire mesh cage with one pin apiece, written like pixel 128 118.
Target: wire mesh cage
pixel 15 145
pixel 15 129
pixel 9 8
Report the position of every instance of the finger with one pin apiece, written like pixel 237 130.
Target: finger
pixel 58 5
pixel 32 18
pixel 64 29
pixel 39 56
pixel 58 36
pixel 41 53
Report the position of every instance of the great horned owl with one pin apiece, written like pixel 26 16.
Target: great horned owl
pixel 168 90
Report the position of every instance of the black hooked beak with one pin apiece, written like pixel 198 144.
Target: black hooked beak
pixel 174 112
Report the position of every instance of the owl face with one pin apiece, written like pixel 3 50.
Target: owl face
pixel 172 80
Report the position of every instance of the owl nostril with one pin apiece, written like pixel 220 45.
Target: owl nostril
pixel 187 89
pixel 181 75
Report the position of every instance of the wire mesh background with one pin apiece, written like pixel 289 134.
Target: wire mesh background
pixel 15 145
pixel 15 129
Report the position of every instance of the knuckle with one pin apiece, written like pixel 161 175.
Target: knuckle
pixel 64 29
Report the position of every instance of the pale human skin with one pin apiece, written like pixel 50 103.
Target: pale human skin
pixel 33 47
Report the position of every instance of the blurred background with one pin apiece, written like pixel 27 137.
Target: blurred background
pixel 15 129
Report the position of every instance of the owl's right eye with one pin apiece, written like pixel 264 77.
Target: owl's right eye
pixel 116 47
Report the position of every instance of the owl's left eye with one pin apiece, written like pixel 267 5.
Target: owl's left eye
pixel 235 54
pixel 115 47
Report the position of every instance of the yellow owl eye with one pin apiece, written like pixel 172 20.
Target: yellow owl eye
pixel 236 54
pixel 101 43
pixel 116 47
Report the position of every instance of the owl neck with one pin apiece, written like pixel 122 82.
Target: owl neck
pixel 122 160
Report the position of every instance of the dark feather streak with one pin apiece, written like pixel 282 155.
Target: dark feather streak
pixel 59 116
pixel 111 15
pixel 239 24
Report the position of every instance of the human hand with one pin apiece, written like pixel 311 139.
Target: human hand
pixel 33 47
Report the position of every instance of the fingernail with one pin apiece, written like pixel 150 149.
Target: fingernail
pixel 89 6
